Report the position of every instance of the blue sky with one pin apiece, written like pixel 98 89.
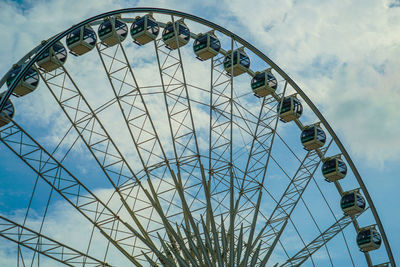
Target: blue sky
pixel 343 55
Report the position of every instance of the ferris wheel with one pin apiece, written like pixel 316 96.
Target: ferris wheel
pixel 175 142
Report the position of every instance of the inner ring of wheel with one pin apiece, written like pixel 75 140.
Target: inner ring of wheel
pixel 36 52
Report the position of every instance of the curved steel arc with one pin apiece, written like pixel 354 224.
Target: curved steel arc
pixel 40 49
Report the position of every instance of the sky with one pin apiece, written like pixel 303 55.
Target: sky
pixel 344 56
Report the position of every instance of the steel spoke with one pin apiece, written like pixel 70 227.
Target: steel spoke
pixel 44 245
pixel 320 241
pixel 69 187
pixel 169 191
pixel 277 222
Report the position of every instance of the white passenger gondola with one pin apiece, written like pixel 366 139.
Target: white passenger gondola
pixel 313 137
pixel 206 46
pixel 182 37
pixel 27 84
pixel 264 83
pixel 291 109
pixel 144 29
pixel 236 62
pixel 7 113
pixel 53 58
pixel 112 31
pixel 368 238
pixel 352 202
pixel 334 168
pixel 81 40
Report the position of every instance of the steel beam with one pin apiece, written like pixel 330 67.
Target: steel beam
pixel 44 245
pixel 305 253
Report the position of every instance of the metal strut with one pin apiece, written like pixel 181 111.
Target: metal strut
pixel 45 245
pixel 258 161
pixel 71 189
pixel 180 121
pixel 151 153
pixel 302 256
pixel 121 176
pixel 252 48
pixel 277 222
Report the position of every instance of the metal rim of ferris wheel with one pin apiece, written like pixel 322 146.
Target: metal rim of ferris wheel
pixel 242 184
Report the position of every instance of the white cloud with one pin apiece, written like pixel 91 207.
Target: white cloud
pixel 344 55
pixel 321 46
pixel 344 61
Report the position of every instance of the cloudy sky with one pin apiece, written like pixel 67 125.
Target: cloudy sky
pixel 344 55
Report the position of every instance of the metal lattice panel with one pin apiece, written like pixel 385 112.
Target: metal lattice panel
pixel 186 195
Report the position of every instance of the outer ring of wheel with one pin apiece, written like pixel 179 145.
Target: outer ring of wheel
pixel 37 51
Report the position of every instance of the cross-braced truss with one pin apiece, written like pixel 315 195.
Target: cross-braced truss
pixel 302 256
pixel 70 188
pixel 188 195
pixel 44 245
